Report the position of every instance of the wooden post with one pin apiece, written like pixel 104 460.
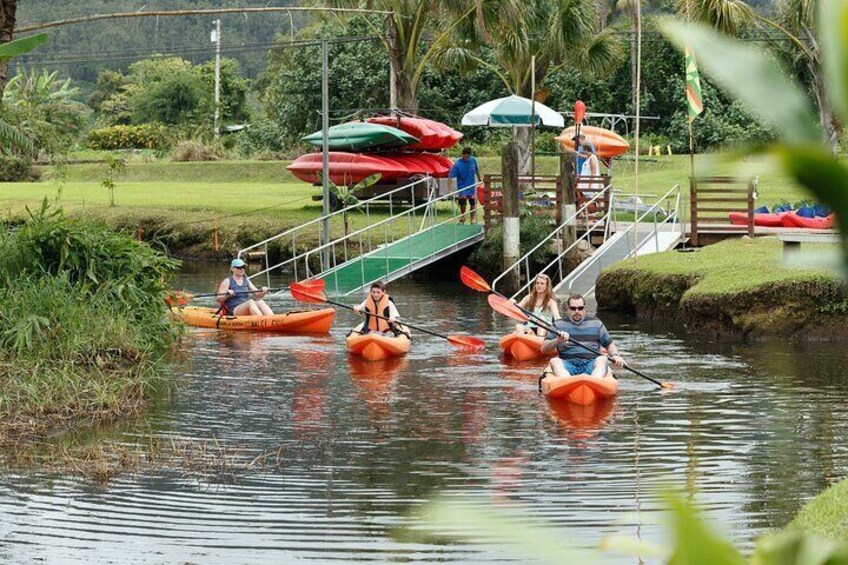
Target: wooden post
pixel 511 238
pixel 751 208
pixel 566 173
pixel 140 232
pixel 693 210
pixel 215 236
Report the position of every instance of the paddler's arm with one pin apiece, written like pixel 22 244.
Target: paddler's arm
pixel 223 289
pixel 258 294
pixel 550 345
pixel 360 307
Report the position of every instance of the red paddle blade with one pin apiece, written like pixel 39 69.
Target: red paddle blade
pixel 315 285
pixel 579 111
pixel 467 342
pixel 307 294
pixel 474 281
pixel 503 306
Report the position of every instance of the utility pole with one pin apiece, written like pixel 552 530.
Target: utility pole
pixel 216 39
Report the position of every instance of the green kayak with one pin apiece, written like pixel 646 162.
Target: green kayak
pixel 355 136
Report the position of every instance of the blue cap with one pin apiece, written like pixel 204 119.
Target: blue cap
pixel 237 263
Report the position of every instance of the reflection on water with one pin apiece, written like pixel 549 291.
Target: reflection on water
pixel 752 430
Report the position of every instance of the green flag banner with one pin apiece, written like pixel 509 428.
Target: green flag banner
pixel 693 87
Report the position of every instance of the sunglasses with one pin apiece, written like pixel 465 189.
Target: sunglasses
pixel 241 267
pixel 576 308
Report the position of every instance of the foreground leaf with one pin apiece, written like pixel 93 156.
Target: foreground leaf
pixel 833 26
pixel 21 46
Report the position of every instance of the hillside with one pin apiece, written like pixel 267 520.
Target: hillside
pixel 80 50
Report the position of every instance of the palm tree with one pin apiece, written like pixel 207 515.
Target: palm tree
pixel 404 38
pixel 557 33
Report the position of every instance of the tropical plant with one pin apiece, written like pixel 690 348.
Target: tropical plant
pixel 44 109
pixel 408 25
pixel 343 197
pixel 554 33
pixel 756 78
pixel 10 136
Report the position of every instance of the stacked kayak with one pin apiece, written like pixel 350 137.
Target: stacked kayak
pixel 579 389
pixel 796 220
pixel 311 321
pixel 375 346
pixel 767 219
pixel 808 217
pixel 394 147
pixel 360 136
pixel 523 347
pixel 607 143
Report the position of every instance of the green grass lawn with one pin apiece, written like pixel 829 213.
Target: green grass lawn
pixel 252 200
pixel 826 515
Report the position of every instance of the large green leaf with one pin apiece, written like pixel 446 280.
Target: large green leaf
pixel 20 46
pixel 833 28
pixel 794 548
pixel 752 76
pixel 817 171
pixel 695 543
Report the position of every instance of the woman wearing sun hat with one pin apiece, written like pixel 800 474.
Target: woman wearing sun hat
pixel 238 296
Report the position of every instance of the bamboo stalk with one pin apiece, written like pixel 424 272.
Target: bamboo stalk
pixel 117 15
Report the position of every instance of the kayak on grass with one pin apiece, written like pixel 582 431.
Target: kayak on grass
pixel 765 219
pixel 375 346
pixel 523 347
pixel 795 220
pixel 307 322
pixel 580 389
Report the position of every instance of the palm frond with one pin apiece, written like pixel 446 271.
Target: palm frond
pixel 725 15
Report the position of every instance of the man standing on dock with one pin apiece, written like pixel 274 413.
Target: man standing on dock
pixel 466 173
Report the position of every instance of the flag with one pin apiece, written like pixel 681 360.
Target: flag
pixel 693 87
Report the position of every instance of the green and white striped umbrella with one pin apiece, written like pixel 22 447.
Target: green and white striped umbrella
pixel 512 111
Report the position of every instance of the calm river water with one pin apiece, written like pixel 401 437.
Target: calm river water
pixel 356 448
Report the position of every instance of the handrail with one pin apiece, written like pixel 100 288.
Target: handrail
pixel 556 231
pixel 291 232
pixel 672 217
pixel 429 212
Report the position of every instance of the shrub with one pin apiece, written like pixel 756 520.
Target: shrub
pixel 488 257
pixel 147 136
pixel 16 169
pixel 196 150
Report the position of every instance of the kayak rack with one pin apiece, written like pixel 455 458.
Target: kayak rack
pixel 396 239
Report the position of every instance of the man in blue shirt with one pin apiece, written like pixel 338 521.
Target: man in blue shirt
pixel 466 173
pixel 572 359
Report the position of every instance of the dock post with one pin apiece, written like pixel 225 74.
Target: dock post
pixel 511 230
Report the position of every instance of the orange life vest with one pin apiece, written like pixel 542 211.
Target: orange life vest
pixel 382 309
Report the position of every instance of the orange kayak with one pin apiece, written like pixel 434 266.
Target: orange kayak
pixel 523 347
pixel 375 346
pixel 607 143
pixel 579 389
pixel 310 321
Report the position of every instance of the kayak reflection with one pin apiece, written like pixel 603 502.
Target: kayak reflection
pixel 376 381
pixel 583 422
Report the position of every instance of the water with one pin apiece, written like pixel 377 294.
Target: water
pixel 353 449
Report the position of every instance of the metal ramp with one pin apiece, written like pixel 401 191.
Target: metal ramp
pixel 395 240
pixel 648 235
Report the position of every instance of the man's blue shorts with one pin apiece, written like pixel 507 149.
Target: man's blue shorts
pixel 578 366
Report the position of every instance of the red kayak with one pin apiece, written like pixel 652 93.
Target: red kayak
pixel 422 163
pixel 346 169
pixel 760 219
pixel 793 220
pixel 433 135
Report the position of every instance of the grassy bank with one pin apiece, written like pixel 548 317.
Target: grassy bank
pixel 826 515
pixel 178 204
pixel 738 287
pixel 82 334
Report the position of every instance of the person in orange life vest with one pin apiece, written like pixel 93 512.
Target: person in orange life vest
pixel 236 298
pixel 379 302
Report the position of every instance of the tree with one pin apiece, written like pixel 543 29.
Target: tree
pixel 404 39
pixel 8 11
pixel 557 33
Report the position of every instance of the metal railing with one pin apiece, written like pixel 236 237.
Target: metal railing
pixel 437 211
pixel 632 243
pixel 582 212
pixel 304 234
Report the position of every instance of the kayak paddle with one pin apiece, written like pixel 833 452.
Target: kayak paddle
pixel 316 296
pixel 504 306
pixel 181 297
pixel 476 282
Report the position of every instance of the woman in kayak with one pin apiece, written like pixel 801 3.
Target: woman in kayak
pixel 238 296
pixel 542 302
pixel 379 302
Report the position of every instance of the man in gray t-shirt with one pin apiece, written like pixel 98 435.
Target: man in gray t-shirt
pixel 573 359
